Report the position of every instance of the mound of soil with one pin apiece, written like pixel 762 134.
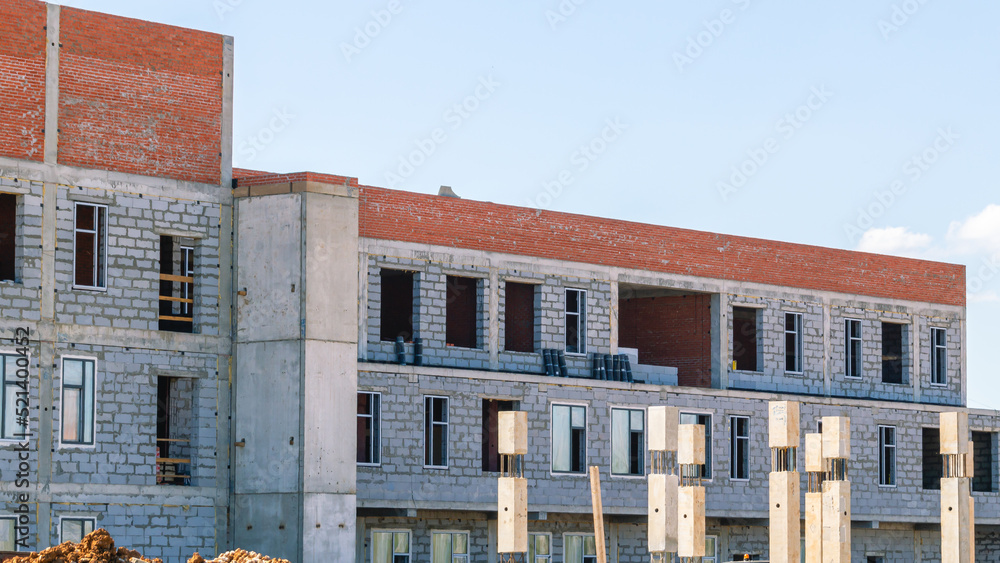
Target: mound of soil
pixel 237 556
pixel 96 547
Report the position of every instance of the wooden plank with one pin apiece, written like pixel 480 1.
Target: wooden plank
pixel 172 440
pixel 182 319
pixel 173 278
pixel 175 299
pixel 598 509
pixel 172 460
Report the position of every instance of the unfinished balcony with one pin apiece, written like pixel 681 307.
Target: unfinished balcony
pixel 667 334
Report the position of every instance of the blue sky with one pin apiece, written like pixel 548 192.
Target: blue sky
pixel 858 124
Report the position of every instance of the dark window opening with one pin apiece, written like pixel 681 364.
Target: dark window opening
pixel 90 246
pixel 982 461
pixel 519 317
pixel 176 285
pixel 739 447
pixel 460 312
pixel 892 353
pixel 491 418
pixel 174 411
pixel 745 338
pixel 397 305
pixel 932 464
pixel 369 422
pixel 436 431
pixel 8 234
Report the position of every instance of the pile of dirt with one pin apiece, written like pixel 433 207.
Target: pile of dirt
pixel 96 547
pixel 237 556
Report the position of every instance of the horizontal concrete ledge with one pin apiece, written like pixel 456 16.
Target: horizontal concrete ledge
pixel 153 495
pixel 114 181
pixel 378 367
pixel 121 337
pixel 296 187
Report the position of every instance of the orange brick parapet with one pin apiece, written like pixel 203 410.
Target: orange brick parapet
pixel 461 223
pixel 22 79
pixel 139 97
pixel 134 96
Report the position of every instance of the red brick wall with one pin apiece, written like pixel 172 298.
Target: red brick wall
pixel 461 223
pixel 139 97
pixel 519 317
pixel 22 79
pixel 672 331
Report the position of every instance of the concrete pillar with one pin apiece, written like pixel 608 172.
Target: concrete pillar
pixel 814 498
pixel 956 496
pixel 785 511
pixel 296 361
pixel 836 490
pixel 720 340
pixel 52 46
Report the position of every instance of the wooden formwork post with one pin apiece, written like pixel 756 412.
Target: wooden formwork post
pixel 785 510
pixel 598 509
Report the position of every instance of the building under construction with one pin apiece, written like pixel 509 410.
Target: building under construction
pixel 312 368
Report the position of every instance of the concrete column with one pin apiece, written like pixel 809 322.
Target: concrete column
pixel 720 340
pixel 827 351
pixel 915 354
pixel 613 312
pixel 226 150
pixel 494 319
pixel 52 46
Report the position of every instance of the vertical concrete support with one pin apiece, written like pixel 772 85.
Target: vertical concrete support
pixel 720 340
pixel 226 162
pixel 613 312
pixel 814 498
pixel 837 522
pixel 51 155
pixel 296 359
pixel 512 488
pixel 785 511
pixel 836 490
pixel 957 543
pixel 690 495
pixel 663 482
pixel 493 332
pixel 827 376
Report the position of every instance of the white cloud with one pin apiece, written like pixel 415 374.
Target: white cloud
pixel 899 241
pixel 978 233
